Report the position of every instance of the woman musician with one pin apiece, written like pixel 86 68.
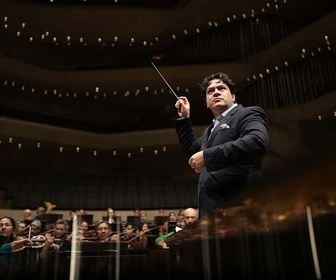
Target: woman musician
pixel 8 239
pixel 103 231
pixel 22 230
pixel 8 246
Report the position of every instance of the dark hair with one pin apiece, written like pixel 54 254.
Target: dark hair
pixel 4 240
pixel 61 222
pixel 101 222
pixel 220 76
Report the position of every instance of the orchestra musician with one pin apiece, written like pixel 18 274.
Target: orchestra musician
pixel 129 232
pixel 22 230
pixel 137 238
pixel 160 241
pixel 58 239
pixel 189 216
pixel 82 230
pixel 60 231
pixel 27 216
pixel 8 242
pixel 84 226
pixel 100 233
pixel 103 231
pixel 171 218
pixel 111 217
pixel 35 228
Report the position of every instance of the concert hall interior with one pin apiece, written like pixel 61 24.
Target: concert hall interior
pixel 86 123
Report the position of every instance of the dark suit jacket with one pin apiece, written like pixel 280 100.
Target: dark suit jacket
pixel 233 155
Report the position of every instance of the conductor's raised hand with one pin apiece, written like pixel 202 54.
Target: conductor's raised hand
pixel 183 107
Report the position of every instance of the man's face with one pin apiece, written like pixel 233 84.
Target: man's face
pixel 189 216
pixel 189 219
pixel 40 211
pixel 27 214
pixel 59 230
pixel 219 97
pixel 103 231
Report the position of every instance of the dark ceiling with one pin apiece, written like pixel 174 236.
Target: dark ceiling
pixel 78 91
pixel 87 64
pixel 75 66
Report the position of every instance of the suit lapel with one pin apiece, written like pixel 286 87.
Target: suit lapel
pixel 205 140
pixel 224 120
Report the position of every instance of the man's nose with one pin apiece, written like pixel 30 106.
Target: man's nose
pixel 216 92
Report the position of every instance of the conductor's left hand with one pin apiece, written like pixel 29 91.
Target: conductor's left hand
pixel 196 162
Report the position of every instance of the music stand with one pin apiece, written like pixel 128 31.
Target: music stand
pixel 160 220
pixel 134 220
pixel 49 220
pixel 171 226
pixel 154 230
pixel 52 218
pixel 117 219
pixel 116 227
pixel 87 217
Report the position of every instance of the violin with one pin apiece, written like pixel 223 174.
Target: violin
pixel 89 235
pixel 140 240
pixel 38 241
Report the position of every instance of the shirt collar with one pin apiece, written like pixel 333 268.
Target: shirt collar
pixel 227 111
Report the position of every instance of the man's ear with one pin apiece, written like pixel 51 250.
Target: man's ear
pixel 233 96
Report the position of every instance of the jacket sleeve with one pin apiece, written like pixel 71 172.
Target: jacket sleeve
pixel 163 238
pixel 186 135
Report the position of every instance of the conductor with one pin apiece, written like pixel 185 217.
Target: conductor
pixel 228 156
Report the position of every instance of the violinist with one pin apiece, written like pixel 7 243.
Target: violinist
pixel 133 236
pixel 189 217
pixel 83 230
pixel 84 226
pixel 103 231
pixel 83 233
pixel 22 230
pixel 8 242
pixel 129 232
pixel 35 228
pixel 140 240
pixel 58 240
pixel 61 231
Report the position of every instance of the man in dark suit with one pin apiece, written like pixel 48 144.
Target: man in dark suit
pixel 228 156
